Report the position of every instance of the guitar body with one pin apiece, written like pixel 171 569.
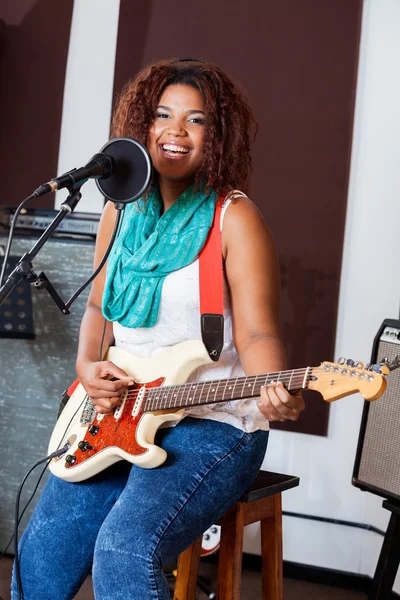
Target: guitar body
pixel 98 441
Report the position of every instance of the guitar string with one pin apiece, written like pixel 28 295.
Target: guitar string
pixel 163 393
pixel 247 381
pixel 273 375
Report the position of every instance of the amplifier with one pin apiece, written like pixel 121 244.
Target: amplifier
pixel 38 219
pixel 36 369
pixel 377 463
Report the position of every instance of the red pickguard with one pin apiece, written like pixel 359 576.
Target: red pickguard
pixel 119 433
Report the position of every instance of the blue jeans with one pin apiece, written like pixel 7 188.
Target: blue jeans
pixel 125 522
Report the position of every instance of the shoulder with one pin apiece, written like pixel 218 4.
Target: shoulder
pixel 243 224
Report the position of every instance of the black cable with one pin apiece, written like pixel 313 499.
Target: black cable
pixel 11 233
pixel 333 521
pixel 102 340
pixel 46 459
pixel 102 262
pixel 23 512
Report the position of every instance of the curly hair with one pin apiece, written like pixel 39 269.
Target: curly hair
pixel 226 155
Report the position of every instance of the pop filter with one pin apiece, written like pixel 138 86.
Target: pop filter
pixel 131 172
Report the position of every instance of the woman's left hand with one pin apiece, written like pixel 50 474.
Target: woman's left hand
pixel 276 404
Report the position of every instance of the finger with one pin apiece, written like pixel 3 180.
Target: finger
pixel 301 402
pixel 267 408
pixel 98 387
pixel 109 368
pixel 105 405
pixel 279 396
pixel 293 401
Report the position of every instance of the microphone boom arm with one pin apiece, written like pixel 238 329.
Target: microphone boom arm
pixel 24 269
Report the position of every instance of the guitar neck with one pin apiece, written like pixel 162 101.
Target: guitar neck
pixel 223 390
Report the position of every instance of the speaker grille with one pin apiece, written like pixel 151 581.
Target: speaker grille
pixel 379 453
pixel 35 372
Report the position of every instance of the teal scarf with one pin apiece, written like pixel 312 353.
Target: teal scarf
pixel 149 246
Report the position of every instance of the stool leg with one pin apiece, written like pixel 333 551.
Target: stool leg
pixel 230 554
pixel 188 566
pixel 271 552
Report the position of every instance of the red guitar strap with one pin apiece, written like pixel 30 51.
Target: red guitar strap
pixel 211 282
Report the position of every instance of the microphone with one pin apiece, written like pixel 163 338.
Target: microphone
pixel 122 170
pixel 100 166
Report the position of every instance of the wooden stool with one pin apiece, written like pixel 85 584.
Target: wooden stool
pixel 261 502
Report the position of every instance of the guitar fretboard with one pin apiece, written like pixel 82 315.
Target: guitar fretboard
pixel 223 390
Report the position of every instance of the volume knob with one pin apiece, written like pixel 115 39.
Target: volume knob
pixel 70 459
pixel 84 445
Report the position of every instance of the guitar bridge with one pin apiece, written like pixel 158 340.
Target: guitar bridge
pixel 89 412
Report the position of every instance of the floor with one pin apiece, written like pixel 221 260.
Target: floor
pixel 251 586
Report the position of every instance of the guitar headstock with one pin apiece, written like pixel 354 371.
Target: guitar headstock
pixel 336 380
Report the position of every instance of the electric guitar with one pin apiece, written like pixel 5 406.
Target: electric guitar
pixel 160 394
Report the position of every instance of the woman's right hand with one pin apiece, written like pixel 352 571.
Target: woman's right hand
pixel 104 393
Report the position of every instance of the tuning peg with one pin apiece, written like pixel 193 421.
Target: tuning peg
pixel 384 366
pixel 359 365
pixel 350 362
pixel 341 360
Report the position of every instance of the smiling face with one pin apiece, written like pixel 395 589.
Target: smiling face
pixel 175 140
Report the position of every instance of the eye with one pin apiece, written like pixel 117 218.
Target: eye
pixel 162 115
pixel 198 120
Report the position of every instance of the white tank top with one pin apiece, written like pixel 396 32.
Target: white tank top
pixel 178 321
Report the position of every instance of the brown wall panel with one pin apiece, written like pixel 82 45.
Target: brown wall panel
pixel 134 20
pixel 33 58
pixel 297 61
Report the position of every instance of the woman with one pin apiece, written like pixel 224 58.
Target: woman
pixel 126 521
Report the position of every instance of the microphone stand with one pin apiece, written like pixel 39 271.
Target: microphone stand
pixel 24 269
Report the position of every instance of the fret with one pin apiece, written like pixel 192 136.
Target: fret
pixel 148 403
pixel 162 400
pixel 224 392
pixel 176 398
pixel 159 399
pixel 167 396
pixel 248 385
pixel 201 393
pixel 290 380
pixel 254 385
pixel 231 388
pixel 216 390
pixel 305 378
pixel 192 393
pixel 279 375
pixel 210 388
pixel 186 392
pixel 234 387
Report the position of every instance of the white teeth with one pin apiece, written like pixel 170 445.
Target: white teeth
pixel 173 148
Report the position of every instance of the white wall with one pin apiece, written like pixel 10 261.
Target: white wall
pixel 370 283
pixel 88 91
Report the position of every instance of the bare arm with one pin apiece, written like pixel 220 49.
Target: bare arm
pixel 253 277
pixel 92 370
